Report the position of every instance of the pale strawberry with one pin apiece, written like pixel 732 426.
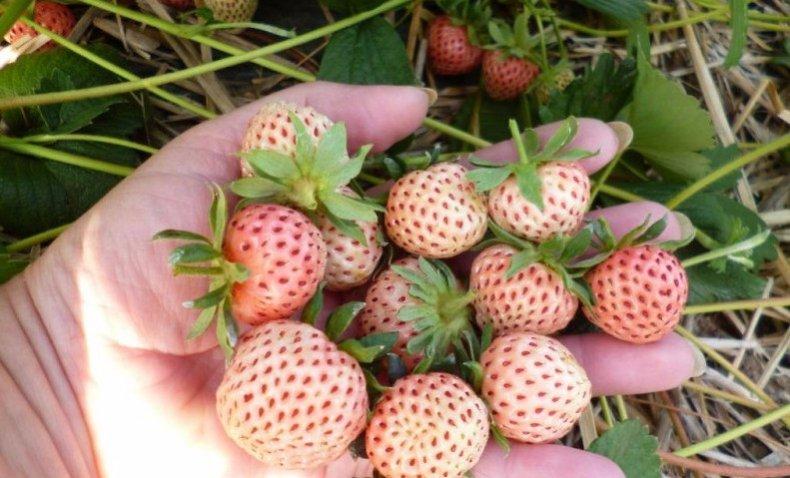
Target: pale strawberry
pixel 565 190
pixel 535 388
pixel 534 299
pixel 230 11
pixel 422 301
pixel 430 425
pixel 386 296
pixel 435 212
pixel 285 255
pixel 290 398
pixel 50 15
pixel 272 129
pixel 639 293
pixel 505 76
pixel 449 48
pixel 349 262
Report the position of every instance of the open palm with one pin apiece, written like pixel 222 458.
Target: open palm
pixel 115 316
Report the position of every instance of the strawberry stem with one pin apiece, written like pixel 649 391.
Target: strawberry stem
pixel 745 245
pixel 36 239
pixel 19 146
pixel 518 141
pixel 95 138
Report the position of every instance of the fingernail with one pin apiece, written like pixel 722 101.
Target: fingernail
pixel 700 364
pixel 432 95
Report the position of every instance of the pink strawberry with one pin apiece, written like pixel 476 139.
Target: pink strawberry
pixel 388 293
pixel 290 398
pixel 179 4
pixel 535 388
pixel 50 15
pixel 430 425
pixel 423 302
pixel 271 129
pixel 349 262
pixel 449 48
pixel 639 293
pixel 533 300
pixel 505 76
pixel 435 212
pixel 565 190
pixel 285 256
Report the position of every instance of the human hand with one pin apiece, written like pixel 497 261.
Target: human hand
pixel 145 396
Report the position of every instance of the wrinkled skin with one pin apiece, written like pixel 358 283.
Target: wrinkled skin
pixel 100 314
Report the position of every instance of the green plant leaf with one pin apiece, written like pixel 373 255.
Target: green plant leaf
pixel 367 53
pixel 331 151
pixel 600 93
pixel 218 215
pixel 341 318
pixel 632 448
pixel 201 324
pixel 386 340
pixel 211 298
pixel 733 282
pixel 529 184
pixel 314 306
pixel 627 11
pixel 348 208
pixel 270 164
pixel 180 235
pixel 486 179
pixel 669 125
pixel 256 188
pixel 191 253
pixel 360 352
pixel 227 330
pixel 348 228
pixel 739 23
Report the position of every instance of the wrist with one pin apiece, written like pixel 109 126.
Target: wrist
pixel 44 431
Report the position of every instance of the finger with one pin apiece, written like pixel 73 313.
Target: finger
pixel 544 460
pixel 592 135
pixel 619 368
pixel 381 115
pixel 626 217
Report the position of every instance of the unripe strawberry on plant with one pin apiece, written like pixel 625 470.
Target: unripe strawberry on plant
pixel 296 156
pixel 435 212
pixel 639 293
pixel 556 79
pixel 265 264
pixel 427 425
pixel 506 76
pixel 535 388
pixel 544 193
pixel 423 302
pixel 349 262
pixel 290 398
pixel 230 11
pixel 50 15
pixel 449 48
pixel 508 66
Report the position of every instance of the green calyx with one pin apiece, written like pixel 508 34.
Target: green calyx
pixel 475 15
pixel 202 256
pixel 443 313
pixel 489 175
pixel 559 254
pixel 312 180
pixel 513 41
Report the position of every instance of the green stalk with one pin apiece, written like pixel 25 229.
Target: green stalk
pixel 188 33
pixel 456 133
pixel 774 302
pixel 730 397
pixel 600 182
pixel 64 157
pixel 109 66
pixel 127 87
pixel 607 411
pixel 94 138
pixel 621 410
pixel 12 12
pixel 28 242
pixel 765 149
pixel 735 433
pixel 744 245
pixel 653 28
pixel 619 193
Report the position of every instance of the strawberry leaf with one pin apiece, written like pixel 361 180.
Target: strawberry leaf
pixel 373 383
pixel 270 164
pixel 211 298
pixel 256 188
pixel 576 245
pixel 633 449
pixel 218 215
pixel 384 339
pixel 305 148
pixel 331 152
pixel 486 179
pixel 520 260
pixel 473 373
pixel 362 353
pixel 486 337
pixel 348 228
pixel 314 306
pixel 180 235
pixel 348 208
pixel 201 324
pixel 227 332
pixel 341 319
pixel 499 438
pixel 529 184
pixel 192 253
pixel 182 270
pixel 561 137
